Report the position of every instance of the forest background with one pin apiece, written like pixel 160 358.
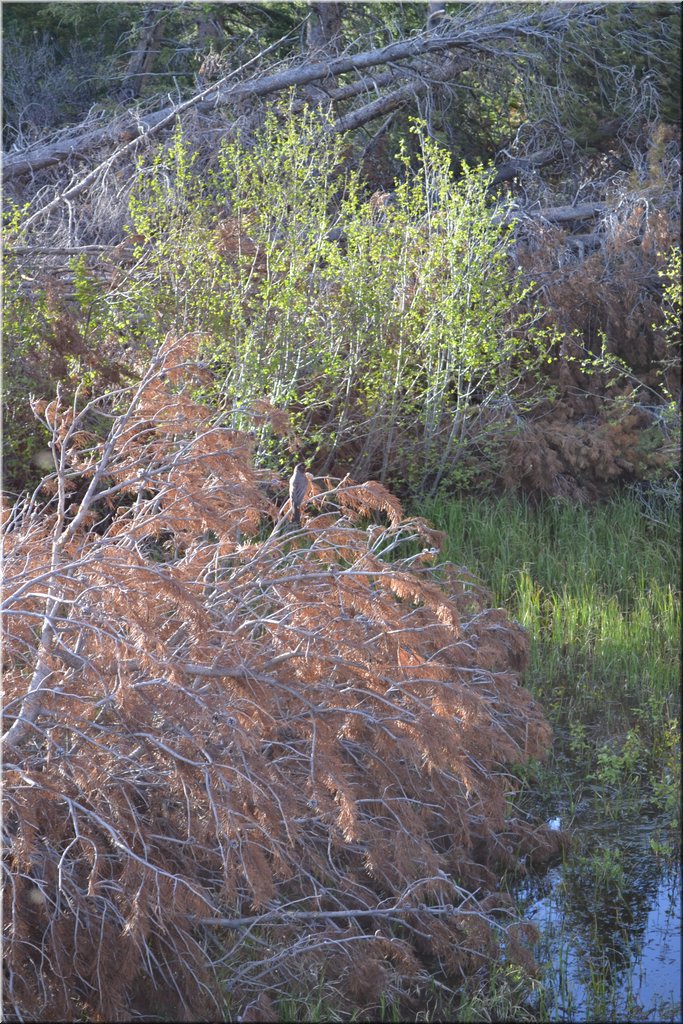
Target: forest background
pixel 431 246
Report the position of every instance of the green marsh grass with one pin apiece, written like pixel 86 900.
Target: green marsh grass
pixel 598 591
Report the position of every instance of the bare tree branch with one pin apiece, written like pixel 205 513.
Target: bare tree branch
pixel 485 32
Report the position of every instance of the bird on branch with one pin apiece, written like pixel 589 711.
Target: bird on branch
pixel 298 489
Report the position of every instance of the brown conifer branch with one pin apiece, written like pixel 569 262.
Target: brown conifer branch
pixel 244 733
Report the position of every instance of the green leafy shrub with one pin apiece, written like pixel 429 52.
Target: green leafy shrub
pixel 390 327
pixel 387 325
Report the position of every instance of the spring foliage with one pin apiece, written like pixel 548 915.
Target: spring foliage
pixel 380 323
pixel 386 325
pixel 402 332
pixel 235 751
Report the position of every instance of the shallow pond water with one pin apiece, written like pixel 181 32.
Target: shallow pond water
pixel 610 926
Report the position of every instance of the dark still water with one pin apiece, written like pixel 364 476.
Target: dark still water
pixel 610 924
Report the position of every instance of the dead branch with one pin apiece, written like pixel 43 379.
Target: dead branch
pixel 242 736
pixel 284 916
pixel 554 214
pixel 567 214
pixel 143 127
pixel 518 166
pixel 486 33
pixel 395 100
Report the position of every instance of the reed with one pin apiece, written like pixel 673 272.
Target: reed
pixel 598 590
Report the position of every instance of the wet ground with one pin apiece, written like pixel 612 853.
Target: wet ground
pixel 610 924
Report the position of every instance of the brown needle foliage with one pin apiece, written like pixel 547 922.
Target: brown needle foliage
pixel 234 751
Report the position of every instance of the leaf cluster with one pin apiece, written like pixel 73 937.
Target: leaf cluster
pixel 383 323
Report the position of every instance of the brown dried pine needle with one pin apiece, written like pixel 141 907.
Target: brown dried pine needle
pixel 230 760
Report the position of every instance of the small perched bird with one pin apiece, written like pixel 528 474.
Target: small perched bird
pixel 298 488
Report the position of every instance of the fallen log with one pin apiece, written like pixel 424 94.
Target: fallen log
pixel 552 214
pixel 566 214
pixel 480 33
pixel 517 166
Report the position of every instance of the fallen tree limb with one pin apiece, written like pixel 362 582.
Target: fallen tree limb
pixel 517 166
pixel 382 105
pixel 565 214
pixel 584 243
pixel 553 214
pixel 130 129
pixel 161 120
pixel 480 33
pixel 394 100
pixel 59 250
pixel 287 917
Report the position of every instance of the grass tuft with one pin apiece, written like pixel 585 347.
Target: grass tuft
pixel 598 590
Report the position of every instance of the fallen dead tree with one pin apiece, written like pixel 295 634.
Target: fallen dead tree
pixel 483 33
pixel 234 750
pixel 78 184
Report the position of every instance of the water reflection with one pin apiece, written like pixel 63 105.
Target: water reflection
pixel 610 923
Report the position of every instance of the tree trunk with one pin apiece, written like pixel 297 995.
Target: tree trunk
pixel 323 40
pixel 145 53
pixel 436 12
pixel 323 30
